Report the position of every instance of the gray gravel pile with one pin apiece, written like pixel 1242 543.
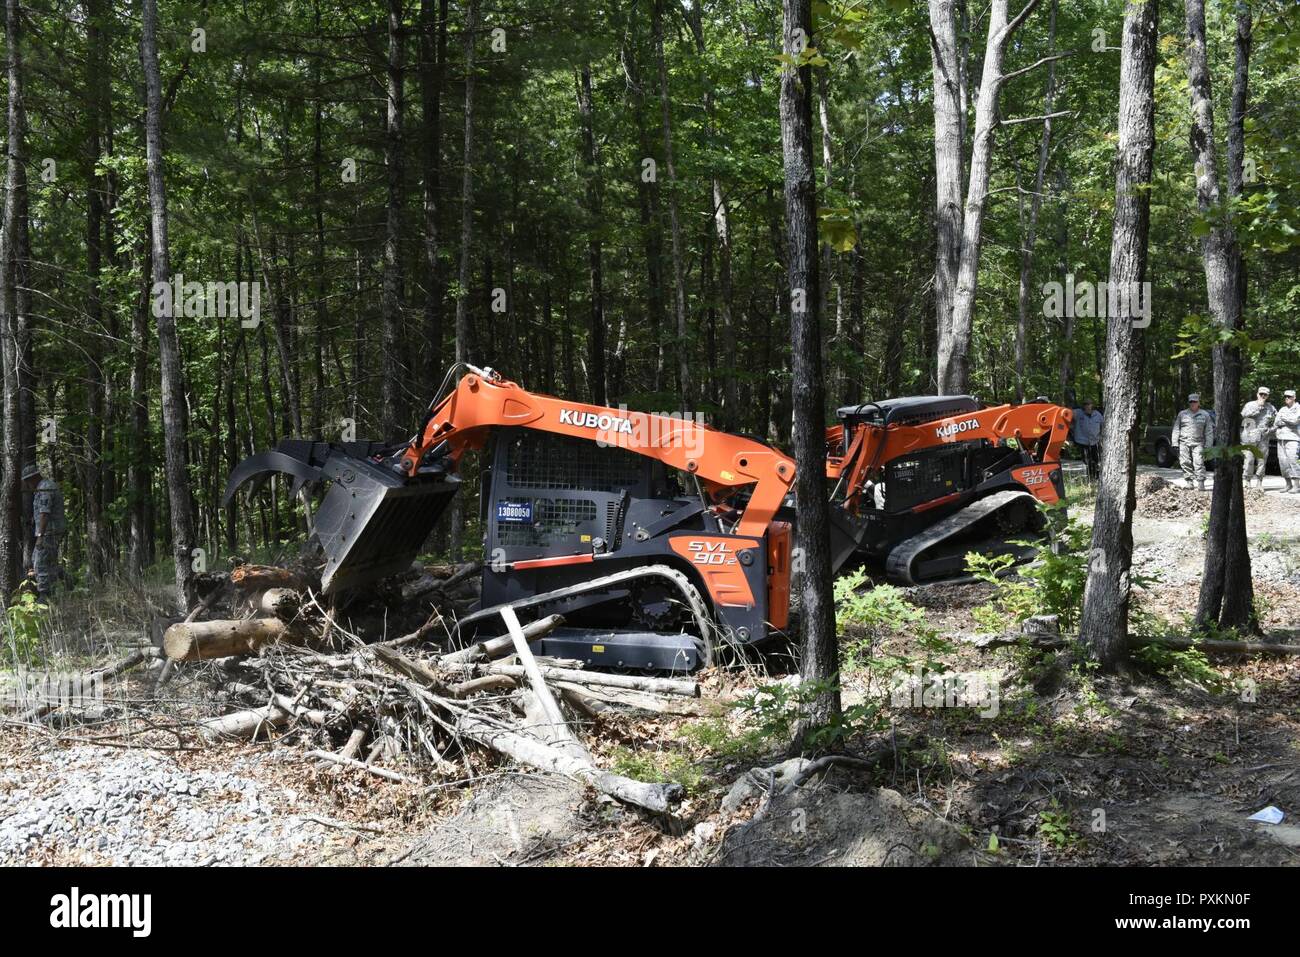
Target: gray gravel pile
pixel 1180 560
pixel 137 807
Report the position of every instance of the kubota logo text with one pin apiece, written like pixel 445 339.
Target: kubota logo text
pixel 955 428
pixel 594 420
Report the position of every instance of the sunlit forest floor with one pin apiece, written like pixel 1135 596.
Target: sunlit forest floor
pixel 1043 763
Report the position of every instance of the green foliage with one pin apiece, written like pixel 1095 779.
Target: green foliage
pixel 661 767
pixel 774 711
pixel 1056 828
pixel 1053 584
pixel 1186 664
pixel 26 614
pixel 866 615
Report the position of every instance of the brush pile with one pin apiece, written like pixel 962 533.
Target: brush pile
pixel 289 669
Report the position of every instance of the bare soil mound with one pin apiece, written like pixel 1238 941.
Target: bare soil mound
pixel 825 826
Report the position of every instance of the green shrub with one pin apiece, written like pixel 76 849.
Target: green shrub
pixel 23 636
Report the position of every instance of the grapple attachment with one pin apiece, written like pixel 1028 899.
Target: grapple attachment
pixel 373 521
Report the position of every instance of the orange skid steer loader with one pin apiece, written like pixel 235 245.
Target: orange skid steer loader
pixel 658 539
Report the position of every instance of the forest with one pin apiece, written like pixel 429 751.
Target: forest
pixel 231 224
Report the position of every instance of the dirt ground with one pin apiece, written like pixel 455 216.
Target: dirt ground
pixel 1163 765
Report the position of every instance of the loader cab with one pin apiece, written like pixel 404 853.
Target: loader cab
pixel 559 513
pixel 906 410
pixel 549 496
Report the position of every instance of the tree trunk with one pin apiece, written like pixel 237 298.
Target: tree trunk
pixel 1035 204
pixel 1239 585
pixel 11 534
pixel 949 151
pixel 1103 628
pixel 651 229
pixel 169 353
pixel 820 652
pixel 596 384
pixel 685 388
pixel 722 226
pixel 96 76
pixel 393 367
pixel 463 331
pixel 1222 259
pixel 954 358
pixel 432 72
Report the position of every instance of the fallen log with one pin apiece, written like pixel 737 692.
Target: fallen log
pixel 1213 646
pixel 1217 646
pixel 501 646
pixel 260 577
pixel 244 724
pixel 193 641
pixel 657 798
pixel 280 602
pixel 355 740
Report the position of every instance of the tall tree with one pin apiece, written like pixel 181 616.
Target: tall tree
pixel 169 352
pixel 1239 584
pixel 463 329
pixel 685 386
pixel 947 72
pixel 1103 627
pixel 96 88
pixel 721 225
pixel 596 384
pixel 11 535
pixel 1029 218
pixel 819 648
pixel 433 69
pixel 955 335
pixel 1225 288
pixel 393 366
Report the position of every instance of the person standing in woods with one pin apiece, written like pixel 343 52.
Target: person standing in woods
pixel 49 524
pixel 1193 431
pixel 1085 432
pixel 1256 419
pixel 1287 421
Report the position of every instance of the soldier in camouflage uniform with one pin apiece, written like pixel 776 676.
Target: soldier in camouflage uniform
pixel 49 523
pixel 1193 431
pixel 1287 422
pixel 1256 424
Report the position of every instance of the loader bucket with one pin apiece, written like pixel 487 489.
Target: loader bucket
pixel 372 522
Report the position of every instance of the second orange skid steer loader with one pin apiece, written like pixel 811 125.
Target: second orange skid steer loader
pixel 657 538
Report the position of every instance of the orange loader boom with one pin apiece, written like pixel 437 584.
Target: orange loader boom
pixel 721 462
